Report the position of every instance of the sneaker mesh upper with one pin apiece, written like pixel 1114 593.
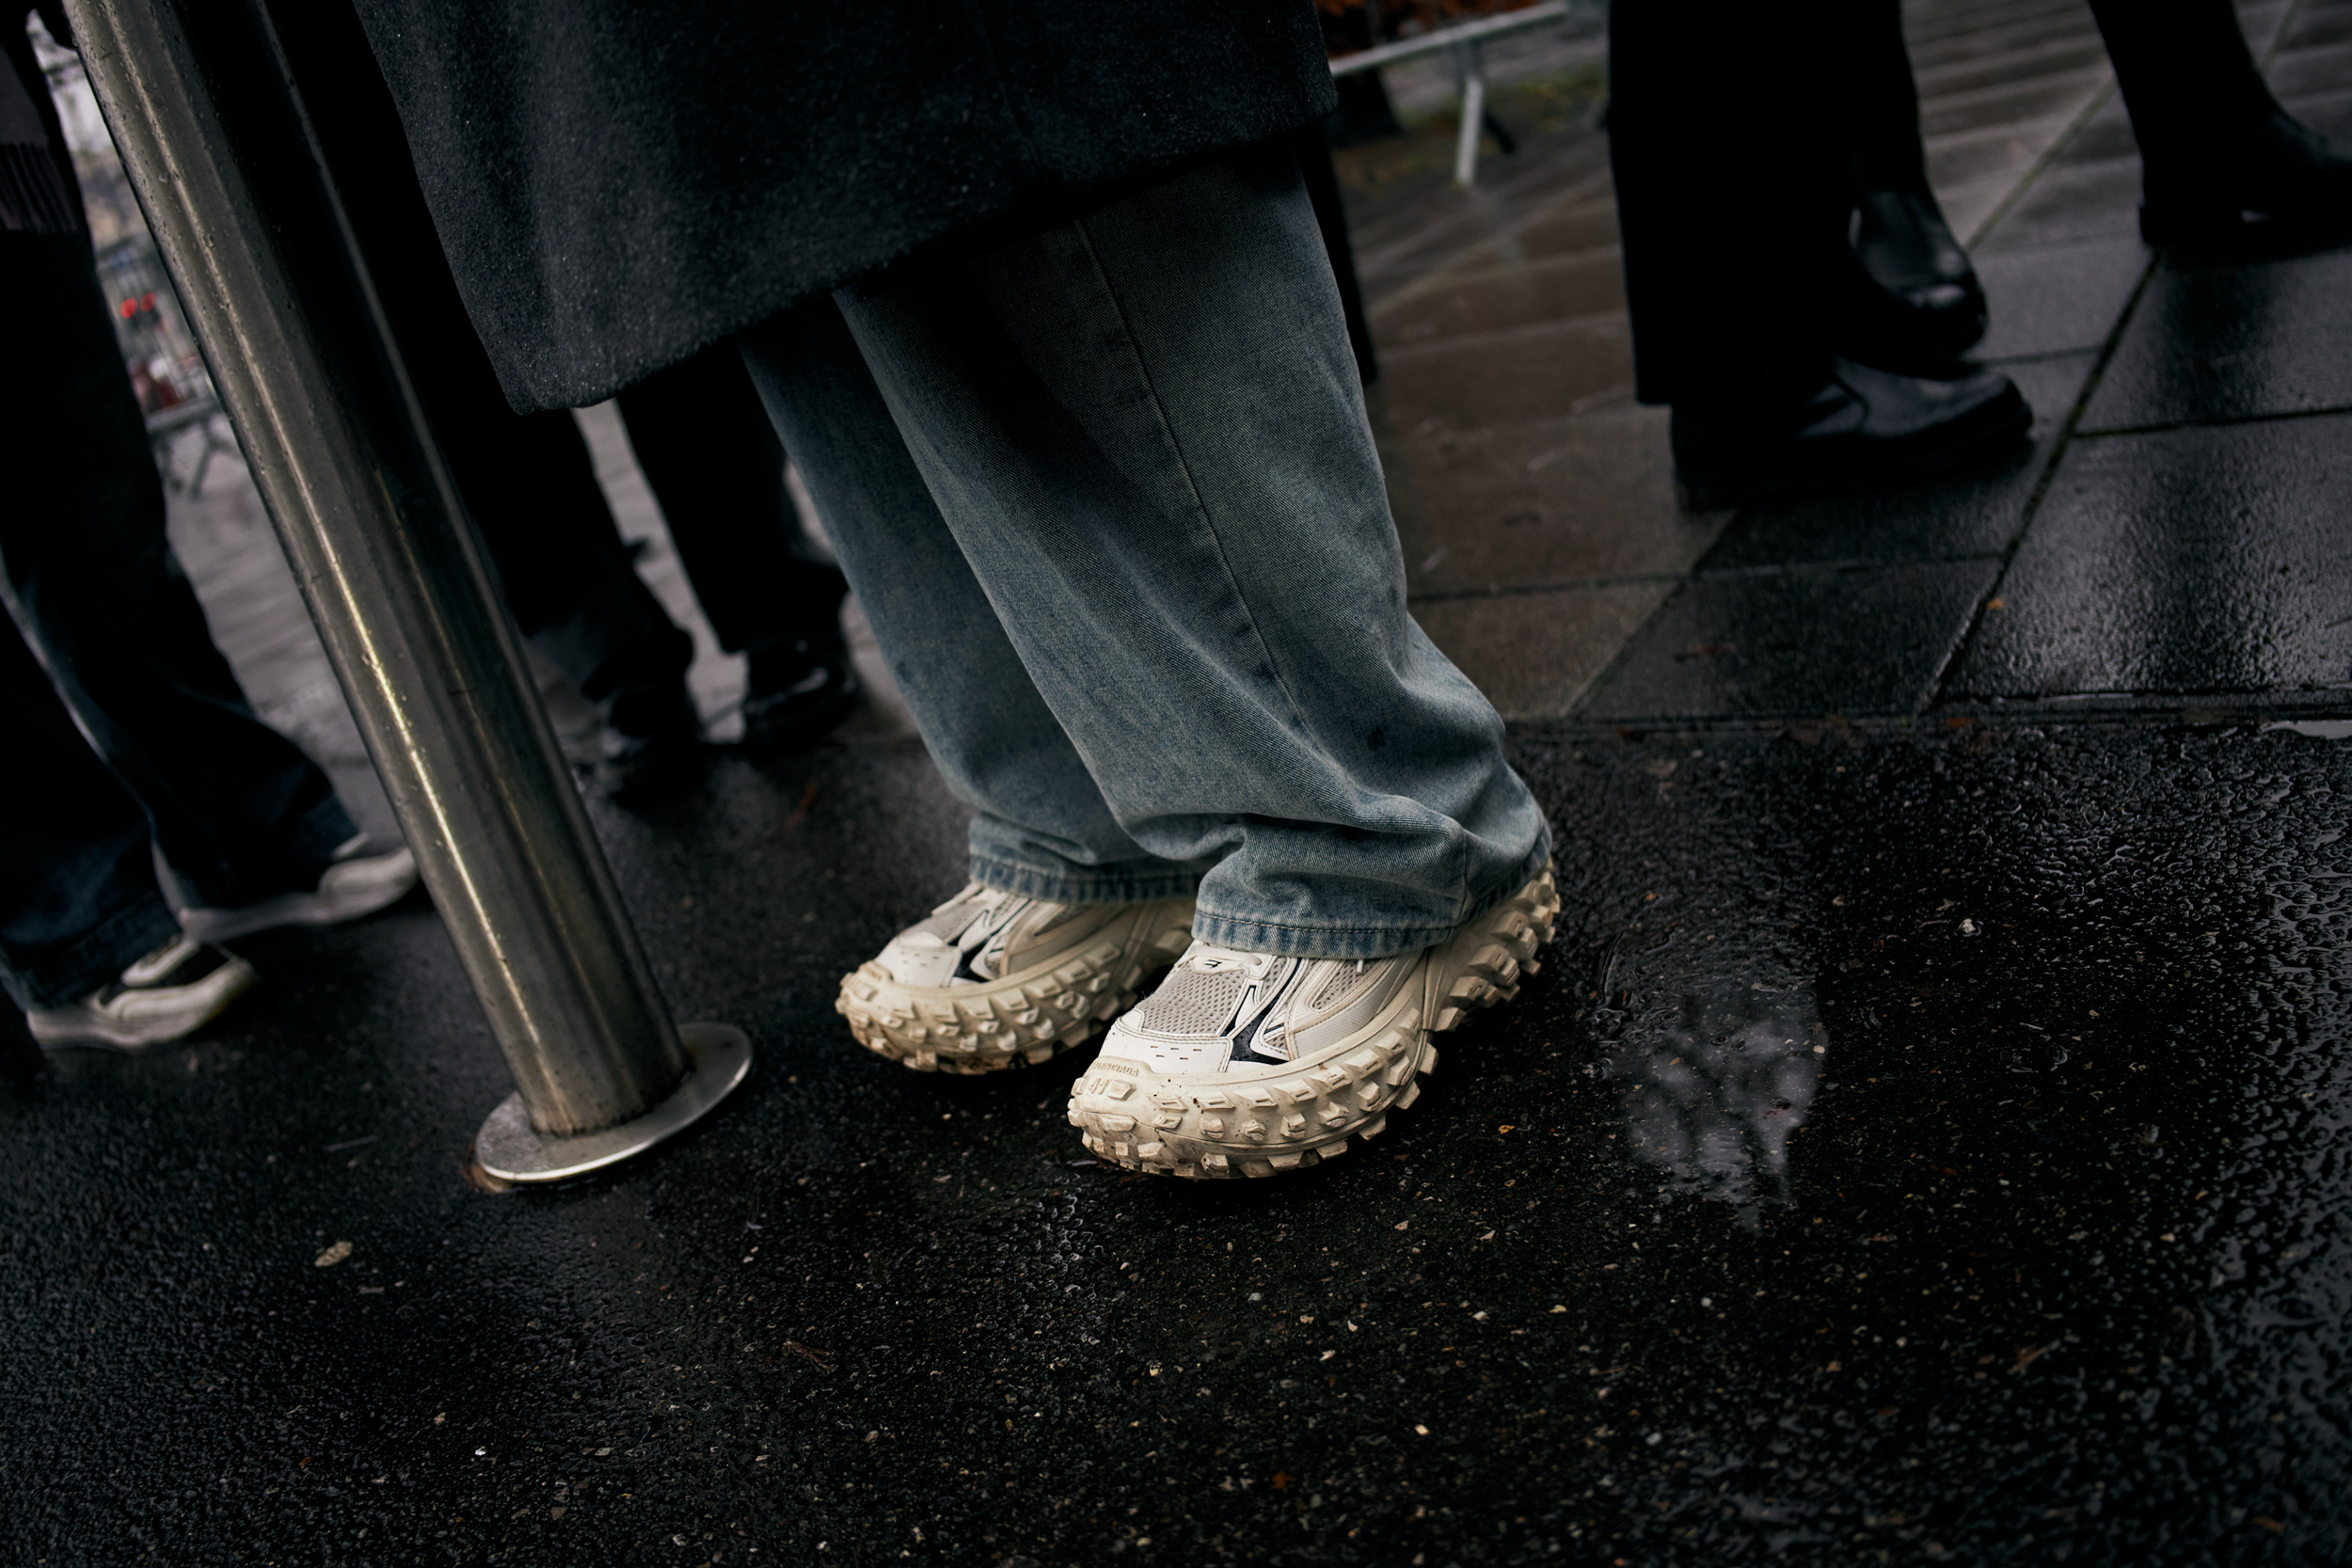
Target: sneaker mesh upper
pixel 1191 1003
pixel 1337 984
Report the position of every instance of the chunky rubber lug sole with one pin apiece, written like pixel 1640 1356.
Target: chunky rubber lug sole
pixel 1268 1120
pixel 1024 1019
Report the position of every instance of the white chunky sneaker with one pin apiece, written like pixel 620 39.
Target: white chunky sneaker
pixel 355 884
pixel 1247 1064
pixel 174 990
pixel 995 979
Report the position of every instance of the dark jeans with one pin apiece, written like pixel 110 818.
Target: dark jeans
pixel 239 812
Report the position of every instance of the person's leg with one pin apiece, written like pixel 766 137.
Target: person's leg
pixel 1144 429
pixel 1041 826
pixel 78 900
pixel 711 457
pixel 527 480
pixel 1066 914
pixel 1731 144
pixel 89 950
pixel 1732 162
pixel 1915 302
pixel 237 809
pixel 2213 143
pixel 531 486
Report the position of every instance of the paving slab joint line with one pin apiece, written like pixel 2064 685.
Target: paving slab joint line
pixel 2111 712
pixel 2033 176
pixel 2283 416
pixel 1934 692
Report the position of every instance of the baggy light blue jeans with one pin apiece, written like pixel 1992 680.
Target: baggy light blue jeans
pixel 1108 497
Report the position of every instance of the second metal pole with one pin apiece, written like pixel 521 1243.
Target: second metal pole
pixel 215 141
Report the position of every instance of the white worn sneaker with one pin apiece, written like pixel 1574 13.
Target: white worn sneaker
pixel 1247 1064
pixel 994 979
pixel 174 990
pixel 355 884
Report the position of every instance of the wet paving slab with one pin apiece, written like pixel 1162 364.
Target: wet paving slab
pixel 1919 1140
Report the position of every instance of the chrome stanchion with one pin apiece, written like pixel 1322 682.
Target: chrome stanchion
pixel 215 144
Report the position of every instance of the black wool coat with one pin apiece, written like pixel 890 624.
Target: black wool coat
pixel 619 183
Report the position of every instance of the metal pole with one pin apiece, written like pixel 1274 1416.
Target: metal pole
pixel 1472 71
pixel 213 136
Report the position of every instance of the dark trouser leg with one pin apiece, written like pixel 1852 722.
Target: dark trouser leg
pixel 714 464
pixel 78 900
pixel 526 479
pixel 2187 77
pixel 1888 155
pixel 1731 148
pixel 241 813
pixel 531 488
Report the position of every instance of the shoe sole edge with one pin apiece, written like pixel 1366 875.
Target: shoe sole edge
pixel 223 985
pixel 1160 1126
pixel 1010 1023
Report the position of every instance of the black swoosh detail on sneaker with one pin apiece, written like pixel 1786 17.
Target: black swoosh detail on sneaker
pixel 1243 1040
pixel 964 956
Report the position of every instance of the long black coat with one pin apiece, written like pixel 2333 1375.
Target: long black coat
pixel 621 183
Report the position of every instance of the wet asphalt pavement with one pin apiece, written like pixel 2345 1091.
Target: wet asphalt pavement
pixel 1924 1143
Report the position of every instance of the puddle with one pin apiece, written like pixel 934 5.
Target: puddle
pixel 1711 1093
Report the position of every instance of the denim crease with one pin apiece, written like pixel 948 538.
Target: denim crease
pixel 1109 498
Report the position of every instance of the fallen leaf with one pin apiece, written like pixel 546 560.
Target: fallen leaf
pixel 333 1256
pixel 1404 1224
pixel 2028 1356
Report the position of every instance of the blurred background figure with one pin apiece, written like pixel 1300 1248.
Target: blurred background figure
pixel 2221 163
pixel 1788 366
pixel 130 736
pixel 1796 294
pixel 699 432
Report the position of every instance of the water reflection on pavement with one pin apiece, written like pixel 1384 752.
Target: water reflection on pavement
pixel 1712 1094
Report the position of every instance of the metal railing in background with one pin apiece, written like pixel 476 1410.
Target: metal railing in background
pixel 216 145
pixel 1465 42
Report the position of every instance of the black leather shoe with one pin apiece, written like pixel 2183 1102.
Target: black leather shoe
pixel 650 743
pixel 795 693
pixel 1861 428
pixel 1914 304
pixel 2279 181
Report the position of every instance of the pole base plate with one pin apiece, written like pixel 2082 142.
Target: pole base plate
pixel 510 1149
